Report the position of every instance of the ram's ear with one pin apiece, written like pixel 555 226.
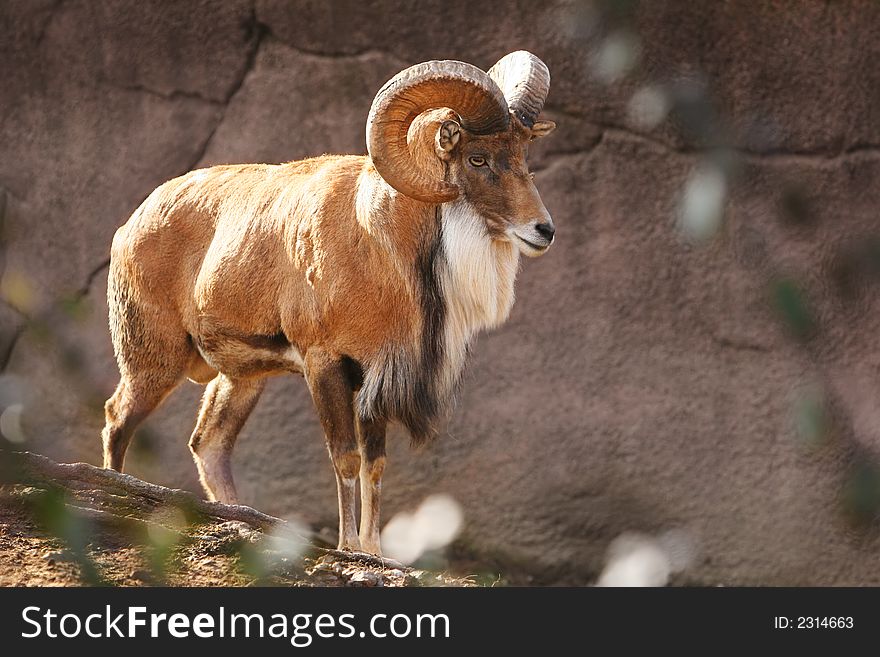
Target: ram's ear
pixel 542 129
pixel 447 139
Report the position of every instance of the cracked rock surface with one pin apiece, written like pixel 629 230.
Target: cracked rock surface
pixel 641 383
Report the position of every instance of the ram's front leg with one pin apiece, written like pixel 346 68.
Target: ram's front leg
pixel 372 443
pixel 333 396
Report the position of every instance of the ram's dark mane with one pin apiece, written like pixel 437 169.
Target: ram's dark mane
pixel 402 385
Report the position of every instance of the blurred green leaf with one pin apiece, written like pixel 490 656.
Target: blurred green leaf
pixel 251 560
pixel 812 421
pixel 52 513
pixel 861 493
pixel 791 303
pixel 76 308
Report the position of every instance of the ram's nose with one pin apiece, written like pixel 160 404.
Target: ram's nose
pixel 546 230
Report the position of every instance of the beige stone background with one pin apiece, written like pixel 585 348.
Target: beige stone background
pixel 643 383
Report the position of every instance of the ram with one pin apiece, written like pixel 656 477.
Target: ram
pixel 368 275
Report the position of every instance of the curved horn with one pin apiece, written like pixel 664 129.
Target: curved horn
pixel 525 81
pixel 463 88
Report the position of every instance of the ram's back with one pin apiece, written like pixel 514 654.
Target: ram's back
pixel 254 248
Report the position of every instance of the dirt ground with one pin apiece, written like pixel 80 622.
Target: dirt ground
pixel 74 525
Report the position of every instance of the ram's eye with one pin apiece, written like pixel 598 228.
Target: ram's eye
pixel 477 161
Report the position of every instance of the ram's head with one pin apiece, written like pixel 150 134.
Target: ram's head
pixel 470 148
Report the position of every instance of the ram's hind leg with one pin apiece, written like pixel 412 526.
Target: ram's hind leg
pixel 152 351
pixel 226 405
pixel 134 399
pixel 333 394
